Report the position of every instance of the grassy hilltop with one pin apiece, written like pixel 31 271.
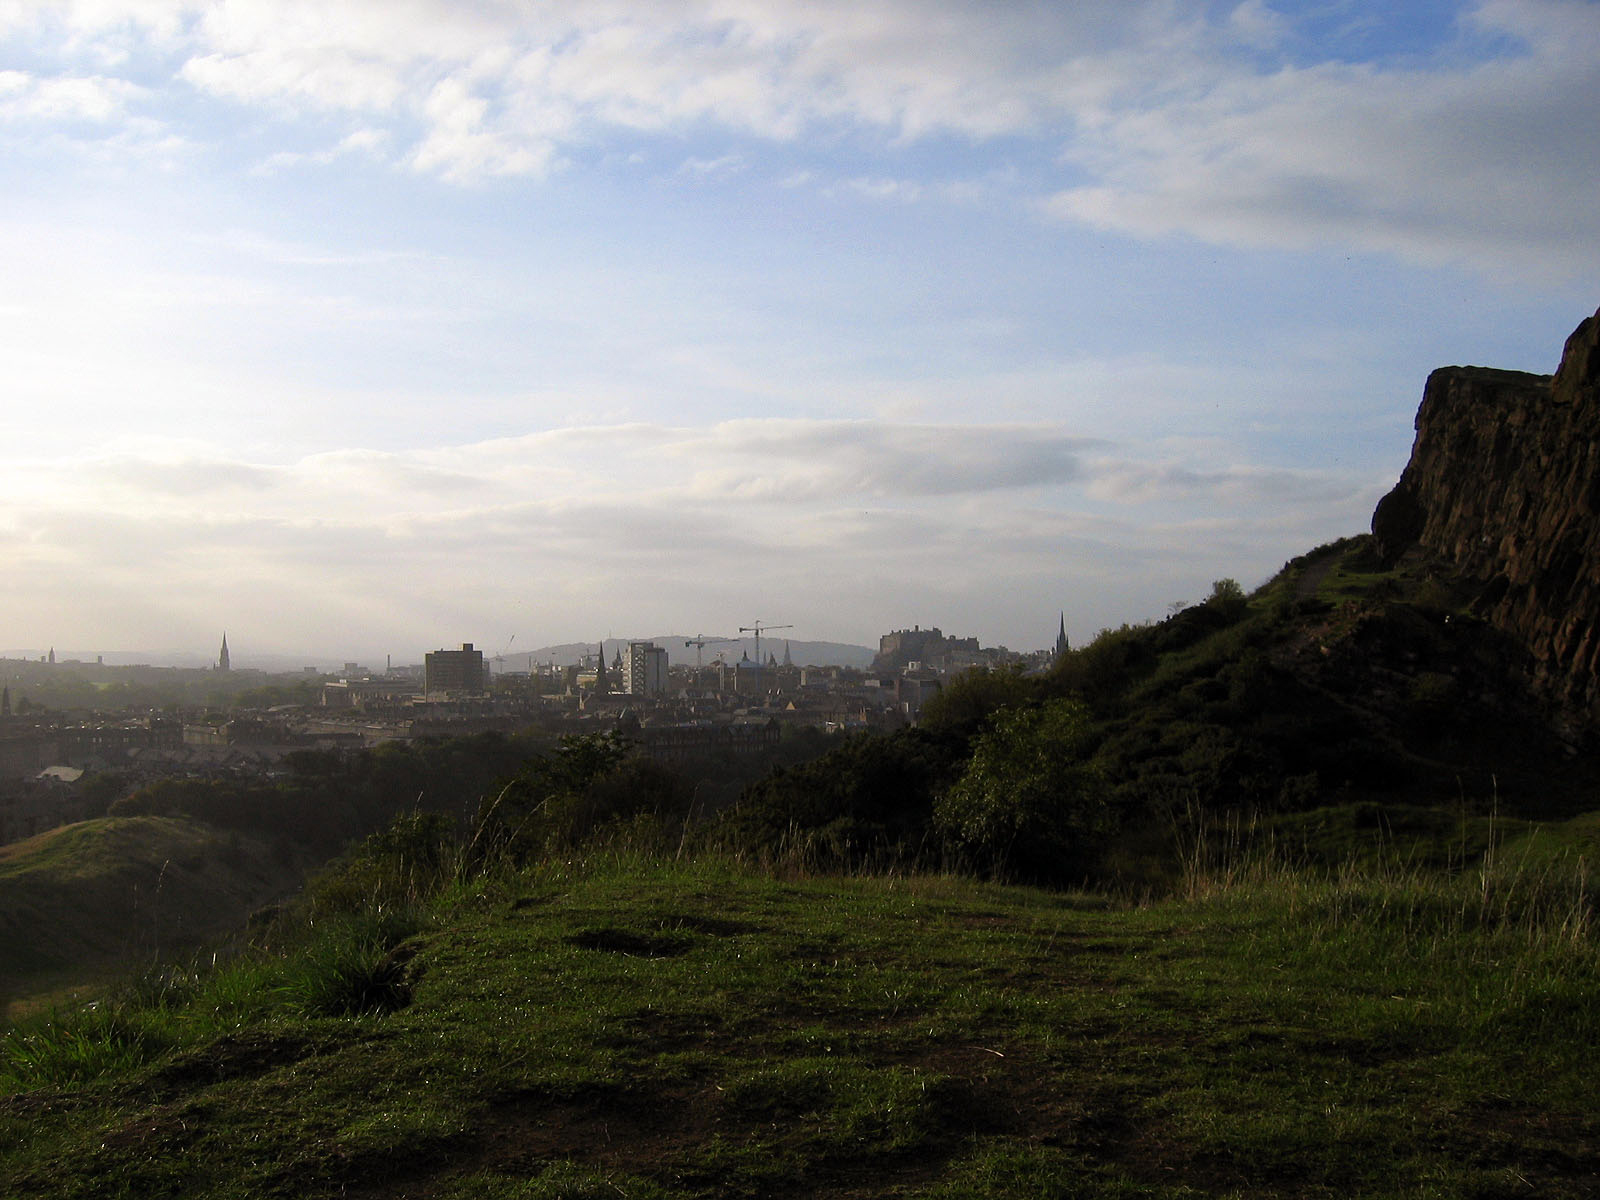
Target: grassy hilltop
pixel 647 1028
pixel 1311 914
pixel 79 902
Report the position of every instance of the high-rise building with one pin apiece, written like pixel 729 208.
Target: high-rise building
pixel 647 669
pixel 454 670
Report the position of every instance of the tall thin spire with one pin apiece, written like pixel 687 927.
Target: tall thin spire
pixel 222 658
pixel 1061 638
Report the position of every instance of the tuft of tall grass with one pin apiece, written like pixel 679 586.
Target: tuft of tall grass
pixel 55 1049
pixel 358 963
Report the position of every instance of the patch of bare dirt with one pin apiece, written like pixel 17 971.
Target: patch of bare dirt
pixel 632 943
pixel 245 1055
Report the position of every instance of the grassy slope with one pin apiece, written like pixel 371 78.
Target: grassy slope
pixel 690 1030
pixel 78 900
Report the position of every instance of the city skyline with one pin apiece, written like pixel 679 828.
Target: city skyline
pixel 796 651
pixel 372 328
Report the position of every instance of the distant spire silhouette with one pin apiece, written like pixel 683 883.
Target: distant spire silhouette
pixel 1061 638
pixel 223 663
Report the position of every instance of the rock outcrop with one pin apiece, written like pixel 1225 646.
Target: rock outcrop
pixel 1503 486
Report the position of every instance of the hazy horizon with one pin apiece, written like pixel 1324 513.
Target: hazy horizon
pixel 680 651
pixel 367 326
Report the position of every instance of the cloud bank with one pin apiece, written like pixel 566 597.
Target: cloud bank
pixel 698 527
pixel 1164 118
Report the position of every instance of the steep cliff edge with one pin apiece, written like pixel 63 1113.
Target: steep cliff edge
pixel 1503 487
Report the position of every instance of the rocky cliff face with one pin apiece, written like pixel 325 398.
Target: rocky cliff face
pixel 1504 486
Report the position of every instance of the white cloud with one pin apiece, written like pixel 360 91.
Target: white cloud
pixel 1176 117
pixel 1126 482
pixel 97 99
pixel 1497 160
pixel 368 143
pixel 900 191
pixel 721 167
pixel 519 78
pixel 1255 24
pixel 786 461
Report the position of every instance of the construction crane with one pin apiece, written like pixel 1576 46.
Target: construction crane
pixel 700 642
pixel 758 629
pixel 501 657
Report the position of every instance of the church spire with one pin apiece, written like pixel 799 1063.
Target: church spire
pixel 222 658
pixel 601 684
pixel 1061 638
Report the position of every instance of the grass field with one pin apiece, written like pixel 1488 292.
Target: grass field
pixel 635 1028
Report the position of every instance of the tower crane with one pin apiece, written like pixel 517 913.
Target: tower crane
pixel 501 657
pixel 700 642
pixel 758 629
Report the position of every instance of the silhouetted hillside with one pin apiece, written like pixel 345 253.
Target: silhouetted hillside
pixel 1503 490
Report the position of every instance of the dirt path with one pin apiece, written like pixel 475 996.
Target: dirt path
pixel 1311 578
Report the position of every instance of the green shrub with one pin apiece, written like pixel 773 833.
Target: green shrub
pixel 1030 804
pixel 967 704
pixel 1227 599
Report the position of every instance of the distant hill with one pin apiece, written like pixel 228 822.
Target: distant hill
pixel 188 660
pixel 803 654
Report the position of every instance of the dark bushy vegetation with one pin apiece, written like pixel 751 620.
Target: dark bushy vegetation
pixel 328 799
pixel 1337 683
pixel 585 785
pixel 867 802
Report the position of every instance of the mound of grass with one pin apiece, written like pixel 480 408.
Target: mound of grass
pixel 690 1028
pixel 82 900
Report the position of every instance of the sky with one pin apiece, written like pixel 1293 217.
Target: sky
pixel 358 329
